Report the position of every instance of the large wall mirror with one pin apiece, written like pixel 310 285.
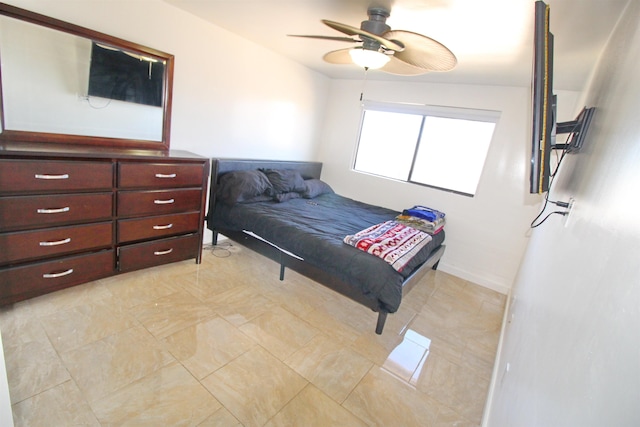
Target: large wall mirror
pixel 66 84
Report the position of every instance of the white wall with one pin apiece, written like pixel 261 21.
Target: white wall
pixel 486 234
pixel 231 97
pixel 573 345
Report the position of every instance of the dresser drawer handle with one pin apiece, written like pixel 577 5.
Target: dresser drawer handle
pixel 162 227
pixel 168 251
pixel 45 176
pixel 164 202
pixel 54 211
pixel 166 175
pixel 57 242
pixel 55 275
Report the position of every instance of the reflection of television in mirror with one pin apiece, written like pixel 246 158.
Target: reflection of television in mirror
pixel 125 76
pixel 545 126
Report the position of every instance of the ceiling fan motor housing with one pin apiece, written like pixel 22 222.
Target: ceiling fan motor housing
pixel 376 24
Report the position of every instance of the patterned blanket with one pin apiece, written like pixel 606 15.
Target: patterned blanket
pixel 393 242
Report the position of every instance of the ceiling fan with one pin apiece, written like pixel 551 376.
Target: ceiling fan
pixel 392 51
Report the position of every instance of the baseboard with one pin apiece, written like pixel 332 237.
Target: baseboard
pixel 6 417
pixel 478 280
pixel 496 364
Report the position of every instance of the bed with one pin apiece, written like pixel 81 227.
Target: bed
pixel 303 229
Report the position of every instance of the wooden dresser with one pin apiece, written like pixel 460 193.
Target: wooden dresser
pixel 68 218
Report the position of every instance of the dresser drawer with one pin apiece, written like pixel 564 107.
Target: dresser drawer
pixel 38 211
pixel 20 283
pixel 47 176
pixel 143 255
pixel 132 203
pixel 130 230
pixel 159 175
pixel 29 245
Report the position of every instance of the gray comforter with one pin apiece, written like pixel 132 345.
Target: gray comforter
pixel 314 229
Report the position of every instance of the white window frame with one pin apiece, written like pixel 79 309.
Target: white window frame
pixel 487 116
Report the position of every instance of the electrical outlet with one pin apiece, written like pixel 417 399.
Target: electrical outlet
pixel 507 368
pixel 512 309
pixel 570 208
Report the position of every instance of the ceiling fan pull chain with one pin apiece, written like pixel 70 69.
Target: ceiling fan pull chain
pixel 364 82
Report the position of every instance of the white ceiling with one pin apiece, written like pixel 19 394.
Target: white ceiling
pixel 492 39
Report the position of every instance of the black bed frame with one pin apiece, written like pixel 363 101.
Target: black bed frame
pixel 308 170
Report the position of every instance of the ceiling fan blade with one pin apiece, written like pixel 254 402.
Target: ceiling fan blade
pixel 422 51
pixel 353 31
pixel 340 57
pixel 339 39
pixel 401 68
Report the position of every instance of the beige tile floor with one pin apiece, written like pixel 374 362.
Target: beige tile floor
pixel 225 343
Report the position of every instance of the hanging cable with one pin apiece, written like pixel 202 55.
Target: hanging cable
pixel 546 196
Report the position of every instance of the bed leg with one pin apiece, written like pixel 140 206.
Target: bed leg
pixel 382 317
pixel 214 240
pixel 281 257
pixel 435 266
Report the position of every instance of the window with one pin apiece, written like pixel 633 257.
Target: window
pixel 440 147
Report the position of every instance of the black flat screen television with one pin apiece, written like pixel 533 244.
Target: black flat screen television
pixel 543 101
pixel 114 74
pixel 545 125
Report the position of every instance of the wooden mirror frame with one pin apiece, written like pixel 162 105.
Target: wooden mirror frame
pixel 17 138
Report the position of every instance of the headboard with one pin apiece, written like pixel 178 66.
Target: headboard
pixel 219 167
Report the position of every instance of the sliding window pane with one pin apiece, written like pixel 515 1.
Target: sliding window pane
pixel 451 153
pixel 387 143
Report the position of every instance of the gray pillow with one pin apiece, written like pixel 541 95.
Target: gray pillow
pixel 243 187
pixel 285 181
pixel 315 187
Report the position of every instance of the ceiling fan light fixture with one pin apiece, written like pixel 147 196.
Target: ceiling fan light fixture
pixel 370 59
